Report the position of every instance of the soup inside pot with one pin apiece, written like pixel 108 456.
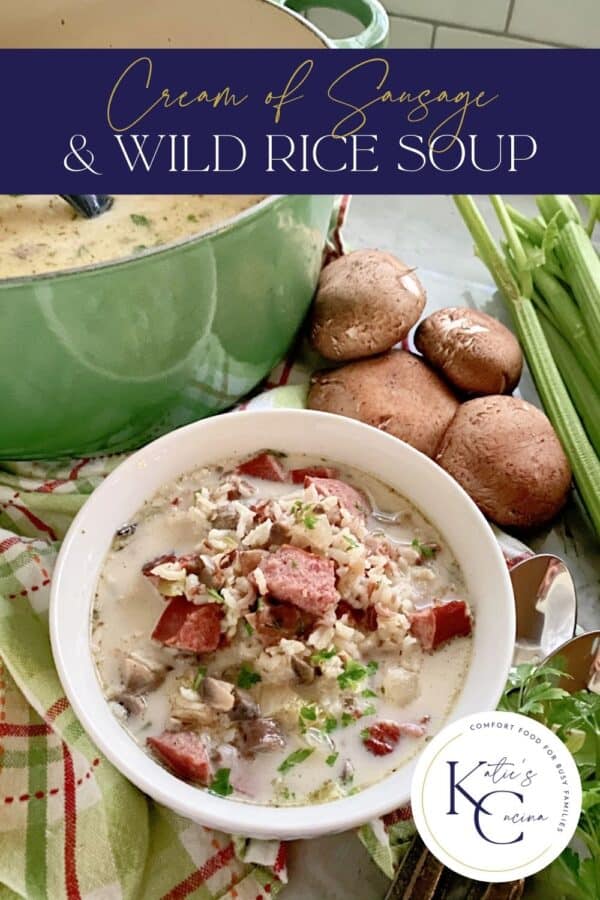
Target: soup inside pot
pixel 43 234
pixel 284 630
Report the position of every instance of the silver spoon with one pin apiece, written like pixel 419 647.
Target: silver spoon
pixel 580 658
pixel 545 604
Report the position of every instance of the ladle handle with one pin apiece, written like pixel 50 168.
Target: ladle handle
pixel 89 205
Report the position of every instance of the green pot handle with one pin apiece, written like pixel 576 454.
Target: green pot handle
pixel 370 13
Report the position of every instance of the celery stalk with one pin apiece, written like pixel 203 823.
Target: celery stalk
pixel 593 201
pixel 550 204
pixel 569 322
pixel 551 388
pixel 581 266
pixel 530 228
pixel 516 247
pixel 582 391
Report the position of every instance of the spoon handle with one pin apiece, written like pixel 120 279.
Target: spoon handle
pixel 89 205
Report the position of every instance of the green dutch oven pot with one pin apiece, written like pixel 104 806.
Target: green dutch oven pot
pixel 106 357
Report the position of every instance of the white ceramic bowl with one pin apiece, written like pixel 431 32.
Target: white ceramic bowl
pixel 341 440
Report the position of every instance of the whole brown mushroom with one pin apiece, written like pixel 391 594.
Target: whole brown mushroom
pixel 506 455
pixel 396 392
pixel 473 351
pixel 366 302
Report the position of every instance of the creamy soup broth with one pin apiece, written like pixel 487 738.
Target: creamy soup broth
pixel 43 234
pixel 344 700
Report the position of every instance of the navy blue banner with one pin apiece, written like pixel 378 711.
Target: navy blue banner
pixel 281 121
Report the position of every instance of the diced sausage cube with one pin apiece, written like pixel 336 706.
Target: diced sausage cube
pixel 298 475
pixel 186 626
pixel 437 624
pixel 301 578
pixel 184 753
pixel 265 466
pixel 349 497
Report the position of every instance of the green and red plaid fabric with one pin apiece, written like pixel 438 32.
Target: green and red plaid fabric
pixel 70 825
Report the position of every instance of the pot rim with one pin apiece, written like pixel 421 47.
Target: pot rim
pixel 252 212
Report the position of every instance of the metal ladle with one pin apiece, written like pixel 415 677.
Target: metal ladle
pixel 88 205
pixel 545 606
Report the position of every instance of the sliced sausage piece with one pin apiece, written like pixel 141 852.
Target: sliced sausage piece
pixel 437 624
pixel 351 499
pixel 186 626
pixel 265 466
pixel 260 735
pixel 298 475
pixel 184 753
pixel 275 621
pixel 301 578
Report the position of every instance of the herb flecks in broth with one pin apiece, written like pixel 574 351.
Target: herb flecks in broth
pixel 42 233
pixel 267 639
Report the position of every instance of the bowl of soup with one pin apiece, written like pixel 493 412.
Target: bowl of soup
pixel 262 618
pixel 164 309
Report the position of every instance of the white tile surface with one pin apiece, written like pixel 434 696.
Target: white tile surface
pixel 474 13
pixel 575 22
pixel 461 38
pixel 408 33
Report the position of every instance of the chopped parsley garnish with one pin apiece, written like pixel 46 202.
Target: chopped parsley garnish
pixel 248 627
pixel 368 693
pixel 220 783
pixel 309 713
pixel 369 710
pixel 372 667
pixel 139 220
pixel 247 677
pixel 215 595
pixel 199 678
pixel 427 551
pixel 347 719
pixel 331 759
pixel 353 673
pixel 331 724
pixel 350 542
pixel 298 756
pixel 322 655
pixel 365 734
pixel 310 520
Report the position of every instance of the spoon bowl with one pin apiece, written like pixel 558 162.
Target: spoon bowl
pixel 580 660
pixel 545 605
